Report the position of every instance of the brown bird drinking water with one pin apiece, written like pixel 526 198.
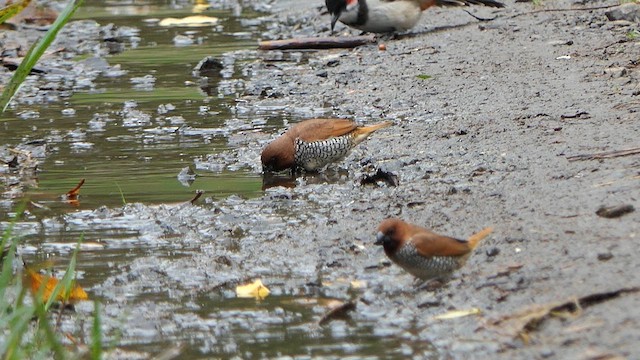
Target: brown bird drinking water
pixel 423 253
pixel 313 144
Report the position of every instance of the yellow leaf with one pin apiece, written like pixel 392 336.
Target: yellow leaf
pixel 358 284
pixel 254 290
pixel 195 20
pixel 457 314
pixel 37 280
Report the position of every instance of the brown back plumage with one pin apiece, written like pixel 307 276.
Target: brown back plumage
pixel 321 129
pixel 428 243
pixel 280 153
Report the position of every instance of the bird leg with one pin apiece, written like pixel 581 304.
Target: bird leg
pixel 429 285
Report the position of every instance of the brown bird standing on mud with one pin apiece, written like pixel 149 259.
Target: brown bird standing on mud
pixel 312 144
pixel 382 16
pixel 423 253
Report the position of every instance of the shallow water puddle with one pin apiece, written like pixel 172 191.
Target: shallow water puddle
pixel 129 135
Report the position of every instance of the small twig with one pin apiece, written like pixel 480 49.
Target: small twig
pixel 574 116
pixel 621 41
pixel 605 155
pixel 38 206
pixel 197 196
pixel 317 43
pixel 479 18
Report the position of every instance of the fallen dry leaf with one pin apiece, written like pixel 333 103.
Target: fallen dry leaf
pixel 454 314
pixel 612 212
pixel 37 281
pixel 358 284
pixel 521 323
pixel 337 310
pixel 192 21
pixel 254 290
pixel 72 195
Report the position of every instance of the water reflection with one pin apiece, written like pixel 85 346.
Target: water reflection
pixel 290 179
pixel 133 150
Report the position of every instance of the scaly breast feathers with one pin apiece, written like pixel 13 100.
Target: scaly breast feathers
pixel 316 154
pixel 425 268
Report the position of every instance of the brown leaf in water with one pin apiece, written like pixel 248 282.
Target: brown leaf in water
pixel 72 195
pixel 37 281
pixel 338 310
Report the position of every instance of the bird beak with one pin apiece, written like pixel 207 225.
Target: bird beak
pixel 380 238
pixel 267 169
pixel 334 20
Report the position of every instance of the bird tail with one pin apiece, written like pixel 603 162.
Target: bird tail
pixel 474 239
pixel 490 3
pixel 363 132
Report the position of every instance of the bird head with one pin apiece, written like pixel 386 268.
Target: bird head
pixel 390 235
pixel 338 7
pixel 278 155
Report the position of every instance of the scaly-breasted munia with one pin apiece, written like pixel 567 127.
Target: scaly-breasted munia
pixel 423 253
pixel 312 144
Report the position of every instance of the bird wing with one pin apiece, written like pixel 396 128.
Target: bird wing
pixel 322 129
pixel 431 244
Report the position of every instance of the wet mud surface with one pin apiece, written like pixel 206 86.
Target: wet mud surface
pixel 487 119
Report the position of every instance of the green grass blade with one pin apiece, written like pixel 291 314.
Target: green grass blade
pixel 21 317
pixel 6 274
pixel 96 333
pixel 35 52
pixel 50 336
pixel 124 201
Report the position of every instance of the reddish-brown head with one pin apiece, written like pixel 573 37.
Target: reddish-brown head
pixel 392 234
pixel 279 154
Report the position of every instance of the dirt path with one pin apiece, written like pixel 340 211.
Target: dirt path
pixel 485 139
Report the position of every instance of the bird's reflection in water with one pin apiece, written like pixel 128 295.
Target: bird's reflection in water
pixel 290 180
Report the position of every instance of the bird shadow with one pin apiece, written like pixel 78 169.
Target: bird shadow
pixel 444 28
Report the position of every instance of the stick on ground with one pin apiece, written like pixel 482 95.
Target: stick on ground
pixel 317 43
pixel 605 155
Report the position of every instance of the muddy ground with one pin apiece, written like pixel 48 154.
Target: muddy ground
pixel 487 139
pixel 487 119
